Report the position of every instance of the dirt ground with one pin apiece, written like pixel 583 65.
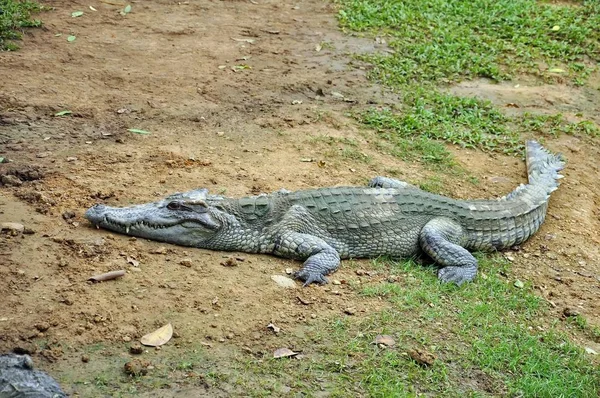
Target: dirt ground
pixel 237 95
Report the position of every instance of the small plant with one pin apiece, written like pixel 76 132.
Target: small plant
pixel 14 17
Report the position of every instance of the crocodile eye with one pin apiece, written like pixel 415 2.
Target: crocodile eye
pixel 174 206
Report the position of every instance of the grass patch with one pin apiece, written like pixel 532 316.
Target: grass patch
pixel 488 338
pixel 439 42
pixel 14 17
pixel 442 41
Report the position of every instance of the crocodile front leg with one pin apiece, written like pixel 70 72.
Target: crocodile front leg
pixel 386 182
pixel 321 259
pixel 440 238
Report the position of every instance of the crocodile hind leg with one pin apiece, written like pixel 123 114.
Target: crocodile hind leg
pixel 440 238
pixel 386 182
pixel 321 259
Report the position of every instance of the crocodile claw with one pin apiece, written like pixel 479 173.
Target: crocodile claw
pixel 310 277
pixel 458 275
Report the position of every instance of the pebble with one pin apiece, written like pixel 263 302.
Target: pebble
pixel 12 228
pixel 11 180
pixel 136 349
pixel 284 281
pixel 186 262
pixel 85 358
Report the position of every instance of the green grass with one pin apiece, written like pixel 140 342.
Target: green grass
pixel 442 41
pixel 14 17
pixel 438 42
pixel 489 339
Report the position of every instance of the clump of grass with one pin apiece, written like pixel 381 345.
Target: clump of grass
pixel 429 115
pixel 14 16
pixel 441 41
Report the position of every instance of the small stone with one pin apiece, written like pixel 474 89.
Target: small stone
pixel 160 250
pixel 12 228
pixel 126 339
pixel 591 351
pixel 43 154
pixel 570 312
pixel 42 326
pixel 136 349
pixel 11 180
pixel 284 281
pixel 336 282
pixel 350 311
pixel 69 214
pixel 422 358
pixel 186 262
pixel 220 133
pixel 136 367
pixel 85 358
pixel 289 271
pixel 71 159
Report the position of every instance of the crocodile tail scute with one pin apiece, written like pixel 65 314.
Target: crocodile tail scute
pixel 543 167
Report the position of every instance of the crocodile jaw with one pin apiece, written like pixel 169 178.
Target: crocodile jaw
pixel 150 221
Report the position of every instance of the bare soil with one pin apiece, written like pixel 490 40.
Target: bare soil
pixel 237 96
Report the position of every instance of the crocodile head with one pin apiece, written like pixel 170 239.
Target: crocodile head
pixel 187 219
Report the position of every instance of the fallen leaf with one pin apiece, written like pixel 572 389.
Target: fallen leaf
pixel 138 131
pixel 71 38
pixel 318 47
pixel 58 35
pixel 307 160
pixel 555 28
pixel 385 339
pixel 92 8
pixel 76 14
pixel 274 328
pixel 284 353
pixel 158 337
pixel 133 262
pixel 519 284
pixel 63 113
pixel 126 10
pixel 107 276
pixel 556 70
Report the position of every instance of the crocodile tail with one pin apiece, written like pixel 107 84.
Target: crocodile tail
pixel 543 167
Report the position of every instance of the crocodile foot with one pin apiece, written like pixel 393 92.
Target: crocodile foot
pixel 309 277
pixel 458 275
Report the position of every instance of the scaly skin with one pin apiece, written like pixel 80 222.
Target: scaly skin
pixel 18 379
pixel 322 226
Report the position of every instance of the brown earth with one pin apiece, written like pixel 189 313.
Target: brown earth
pixel 237 95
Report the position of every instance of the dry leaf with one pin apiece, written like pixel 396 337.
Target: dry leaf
pixel 284 353
pixel 158 337
pixel 133 261
pixel 385 339
pixel 274 328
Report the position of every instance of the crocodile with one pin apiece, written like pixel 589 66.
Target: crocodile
pixel 321 226
pixel 19 379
